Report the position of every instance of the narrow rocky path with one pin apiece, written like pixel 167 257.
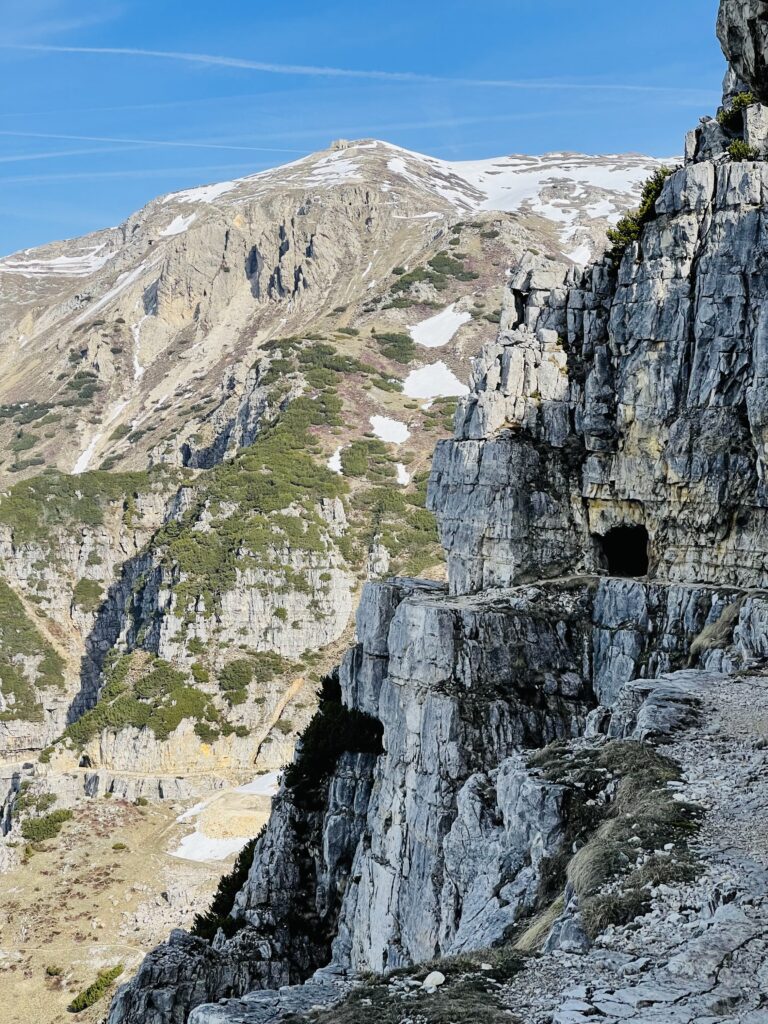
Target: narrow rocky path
pixel 701 955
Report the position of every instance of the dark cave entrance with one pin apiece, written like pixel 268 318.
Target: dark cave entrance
pixel 85 762
pixel 624 551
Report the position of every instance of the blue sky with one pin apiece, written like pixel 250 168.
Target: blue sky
pixel 205 90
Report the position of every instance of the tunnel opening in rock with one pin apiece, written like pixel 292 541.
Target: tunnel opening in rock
pixel 624 551
pixel 85 762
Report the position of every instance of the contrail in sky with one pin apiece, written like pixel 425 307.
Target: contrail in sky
pixel 148 142
pixel 331 72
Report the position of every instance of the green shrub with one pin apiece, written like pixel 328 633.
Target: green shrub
pixel 629 228
pixel 143 692
pixel 96 991
pixel 28 412
pixel 27 801
pixel 236 675
pixel 36 506
pixel 19 637
pixel 206 732
pixel 451 266
pixel 37 830
pixel 732 119
pixel 396 346
pixel 87 595
pixel 23 442
pixel 334 730
pixel 200 673
pixel 234 680
pixel 739 151
pixel 368 457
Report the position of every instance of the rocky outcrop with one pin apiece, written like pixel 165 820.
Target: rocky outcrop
pixel 742 27
pixel 461 687
pixel 43 572
pixel 285 918
pixel 627 401
pixel 295 601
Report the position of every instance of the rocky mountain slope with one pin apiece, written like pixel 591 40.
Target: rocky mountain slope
pixel 259 370
pixel 128 330
pixel 217 423
pixel 533 792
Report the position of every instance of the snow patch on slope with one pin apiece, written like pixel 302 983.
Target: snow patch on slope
pixel 439 329
pixel 334 170
pixel 80 265
pixel 84 460
pixel 124 281
pixel 178 225
pixel 265 785
pixel 203 194
pixel 199 847
pixel 434 381
pixel 390 430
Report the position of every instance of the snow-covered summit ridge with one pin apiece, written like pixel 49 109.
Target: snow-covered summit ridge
pixel 567 189
pixel 499 183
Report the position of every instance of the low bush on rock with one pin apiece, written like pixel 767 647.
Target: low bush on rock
pixel 87 595
pixel 636 840
pixel 396 346
pixel 732 119
pixel 47 826
pixel 96 991
pixel 469 994
pixel 740 152
pixel 629 228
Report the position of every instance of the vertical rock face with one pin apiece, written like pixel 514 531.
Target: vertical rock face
pixel 442 843
pixel 742 28
pixel 603 507
pixel 628 399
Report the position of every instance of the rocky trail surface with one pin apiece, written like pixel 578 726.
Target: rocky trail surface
pixel 700 955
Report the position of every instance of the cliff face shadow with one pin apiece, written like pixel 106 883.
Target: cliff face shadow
pixel 109 624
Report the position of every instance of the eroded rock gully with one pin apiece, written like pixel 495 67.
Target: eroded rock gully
pixel 627 398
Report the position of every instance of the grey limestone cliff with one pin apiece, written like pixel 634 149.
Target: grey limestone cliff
pixel 604 513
